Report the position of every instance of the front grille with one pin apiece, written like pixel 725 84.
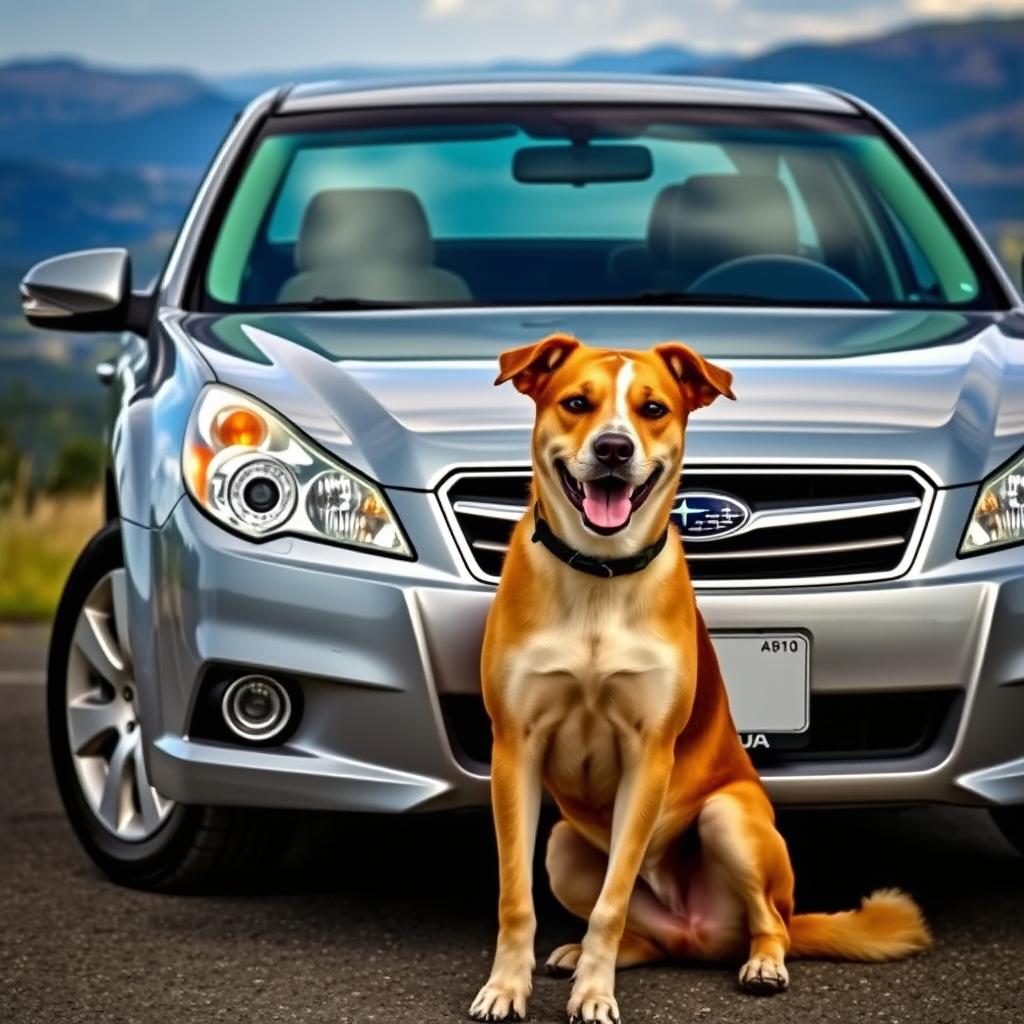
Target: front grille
pixel 806 525
pixel 843 727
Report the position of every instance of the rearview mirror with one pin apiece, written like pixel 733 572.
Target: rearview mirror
pixel 79 291
pixel 581 165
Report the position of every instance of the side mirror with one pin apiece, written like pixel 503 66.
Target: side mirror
pixel 79 291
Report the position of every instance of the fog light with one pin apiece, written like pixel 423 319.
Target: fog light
pixel 256 707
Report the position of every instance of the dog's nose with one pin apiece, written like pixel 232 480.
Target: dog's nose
pixel 613 450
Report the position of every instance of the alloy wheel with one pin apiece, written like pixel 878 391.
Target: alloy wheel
pixel 103 726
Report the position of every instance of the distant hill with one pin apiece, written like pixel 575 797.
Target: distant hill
pixel 923 77
pixel 983 149
pixel 956 88
pixel 65 111
pixel 654 60
pixel 68 91
pixel 47 208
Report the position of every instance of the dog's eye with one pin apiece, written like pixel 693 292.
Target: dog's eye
pixel 576 404
pixel 653 410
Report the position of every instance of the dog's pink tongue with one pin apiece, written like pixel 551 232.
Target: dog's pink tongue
pixel 606 505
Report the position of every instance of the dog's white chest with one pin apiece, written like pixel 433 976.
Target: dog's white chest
pixel 588 691
pixel 606 656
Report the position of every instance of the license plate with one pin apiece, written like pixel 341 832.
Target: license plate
pixel 767 677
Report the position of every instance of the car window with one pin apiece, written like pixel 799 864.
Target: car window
pixel 924 281
pixel 806 232
pixel 467 189
pixel 458 206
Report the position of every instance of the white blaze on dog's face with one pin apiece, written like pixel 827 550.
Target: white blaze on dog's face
pixel 608 436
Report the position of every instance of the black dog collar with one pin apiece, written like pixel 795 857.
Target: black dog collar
pixel 592 566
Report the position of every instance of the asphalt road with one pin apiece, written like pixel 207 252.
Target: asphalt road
pixel 385 920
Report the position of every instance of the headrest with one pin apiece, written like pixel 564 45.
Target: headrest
pixel 376 225
pixel 712 218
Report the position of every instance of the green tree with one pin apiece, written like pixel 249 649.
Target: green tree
pixel 77 467
pixel 10 464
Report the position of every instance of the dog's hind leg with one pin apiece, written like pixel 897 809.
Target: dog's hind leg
pixel 742 851
pixel 576 871
pixel 634 951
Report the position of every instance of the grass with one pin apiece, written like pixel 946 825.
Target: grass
pixel 38 547
pixel 1011 249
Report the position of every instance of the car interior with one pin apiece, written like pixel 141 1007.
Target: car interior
pixel 374 244
pixel 776 226
pixel 730 234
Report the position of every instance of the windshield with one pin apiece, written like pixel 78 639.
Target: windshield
pixel 543 205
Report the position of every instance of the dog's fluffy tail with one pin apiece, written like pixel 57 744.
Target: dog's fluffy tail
pixel 887 926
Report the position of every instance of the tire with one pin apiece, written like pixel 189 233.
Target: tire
pixel 136 839
pixel 1010 821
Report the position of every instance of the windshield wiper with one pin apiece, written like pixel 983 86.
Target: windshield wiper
pixel 322 304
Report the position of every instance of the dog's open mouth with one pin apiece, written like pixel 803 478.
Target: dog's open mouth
pixel 607 502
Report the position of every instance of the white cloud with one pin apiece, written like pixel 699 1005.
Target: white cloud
pixel 443 8
pixel 750 26
pixel 656 28
pixel 260 35
pixel 717 25
pixel 860 22
pixel 515 10
pixel 964 8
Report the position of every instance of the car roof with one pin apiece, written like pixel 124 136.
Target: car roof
pixel 560 88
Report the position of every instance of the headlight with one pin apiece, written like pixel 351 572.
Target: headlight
pixel 254 472
pixel 998 517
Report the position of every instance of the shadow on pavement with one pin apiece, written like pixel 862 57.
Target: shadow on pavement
pixel 948 858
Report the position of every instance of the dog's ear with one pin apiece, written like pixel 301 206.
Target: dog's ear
pixel 530 367
pixel 701 382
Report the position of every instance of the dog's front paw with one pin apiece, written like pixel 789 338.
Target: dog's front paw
pixel 764 976
pixel 500 999
pixel 591 1005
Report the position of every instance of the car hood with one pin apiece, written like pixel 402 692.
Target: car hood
pixel 404 396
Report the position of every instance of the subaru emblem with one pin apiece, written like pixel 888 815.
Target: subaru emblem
pixel 707 515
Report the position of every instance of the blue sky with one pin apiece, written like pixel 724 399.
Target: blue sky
pixel 230 36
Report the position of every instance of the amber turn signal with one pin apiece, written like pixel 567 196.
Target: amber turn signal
pixel 240 427
pixel 197 465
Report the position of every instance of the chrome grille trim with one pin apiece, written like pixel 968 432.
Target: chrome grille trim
pixel 489 545
pixel 766 519
pixel 810 549
pixel 811 513
pixel 798 552
pixel 825 512
pixel 489 510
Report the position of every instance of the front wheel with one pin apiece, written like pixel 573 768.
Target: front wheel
pixel 135 835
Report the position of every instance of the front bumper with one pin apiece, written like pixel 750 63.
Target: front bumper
pixel 379 646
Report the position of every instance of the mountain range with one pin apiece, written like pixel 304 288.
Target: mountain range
pixel 956 88
pixel 655 60
pixel 62 111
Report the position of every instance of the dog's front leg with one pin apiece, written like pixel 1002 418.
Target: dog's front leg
pixel 638 803
pixel 515 796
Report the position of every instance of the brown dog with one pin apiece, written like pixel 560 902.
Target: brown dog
pixel 602 685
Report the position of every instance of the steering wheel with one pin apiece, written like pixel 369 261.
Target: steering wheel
pixel 779 277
